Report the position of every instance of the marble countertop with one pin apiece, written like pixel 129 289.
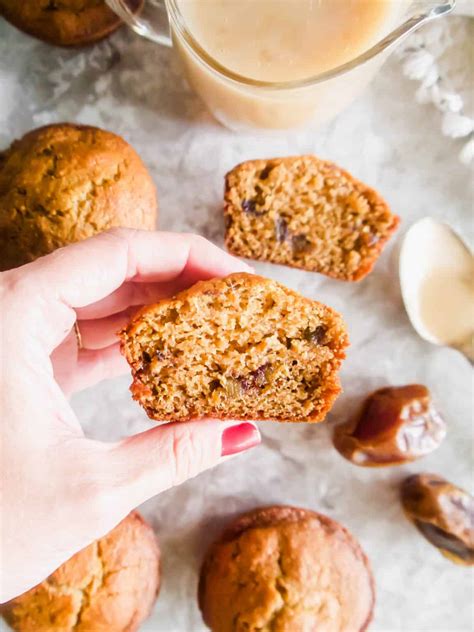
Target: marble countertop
pixel 134 88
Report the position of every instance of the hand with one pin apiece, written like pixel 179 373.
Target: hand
pixel 60 490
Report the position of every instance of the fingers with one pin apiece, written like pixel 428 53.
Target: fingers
pixel 88 271
pixel 134 294
pixel 102 332
pixel 148 463
pixel 127 295
pixel 92 367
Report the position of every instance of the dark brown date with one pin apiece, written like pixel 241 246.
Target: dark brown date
pixel 397 424
pixel 442 513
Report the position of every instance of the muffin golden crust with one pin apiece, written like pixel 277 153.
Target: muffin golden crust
pixel 64 22
pixel 62 183
pixel 306 213
pixel 242 347
pixel 286 569
pixel 110 586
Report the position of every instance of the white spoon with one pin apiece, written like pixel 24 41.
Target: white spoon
pixel 437 283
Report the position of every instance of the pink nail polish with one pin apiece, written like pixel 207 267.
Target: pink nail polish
pixel 239 438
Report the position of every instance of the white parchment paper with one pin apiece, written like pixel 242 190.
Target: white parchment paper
pixel 134 88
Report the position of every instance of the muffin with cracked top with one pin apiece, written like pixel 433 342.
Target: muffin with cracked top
pixel 62 183
pixel 110 586
pixel 286 569
pixel 64 22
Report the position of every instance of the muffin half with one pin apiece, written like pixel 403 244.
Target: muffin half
pixel 306 213
pixel 242 347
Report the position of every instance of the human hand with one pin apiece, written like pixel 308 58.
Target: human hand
pixel 60 490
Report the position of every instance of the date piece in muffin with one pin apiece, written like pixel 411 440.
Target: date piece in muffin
pixel 242 347
pixel 285 569
pixel 305 213
pixel 64 22
pixel 110 586
pixel 62 183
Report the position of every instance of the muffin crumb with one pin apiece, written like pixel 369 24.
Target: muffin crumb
pixel 306 213
pixel 240 347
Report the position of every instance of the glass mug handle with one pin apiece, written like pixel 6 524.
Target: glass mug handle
pixel 158 33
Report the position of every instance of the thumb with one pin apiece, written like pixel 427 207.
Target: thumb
pixel 151 462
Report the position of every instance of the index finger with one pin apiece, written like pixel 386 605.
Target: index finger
pixel 88 271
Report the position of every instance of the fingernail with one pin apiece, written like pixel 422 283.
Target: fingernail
pixel 239 438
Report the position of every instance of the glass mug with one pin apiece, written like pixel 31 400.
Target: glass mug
pixel 245 104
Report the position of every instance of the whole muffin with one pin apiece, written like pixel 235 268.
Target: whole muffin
pixel 285 569
pixel 64 22
pixel 110 586
pixel 62 183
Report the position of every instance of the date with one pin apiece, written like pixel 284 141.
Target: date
pixel 442 513
pixel 397 424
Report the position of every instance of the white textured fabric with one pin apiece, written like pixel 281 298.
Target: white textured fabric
pixel 439 57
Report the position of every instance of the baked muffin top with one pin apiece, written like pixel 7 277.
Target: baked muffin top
pixel 64 22
pixel 62 183
pixel 110 586
pixel 285 569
